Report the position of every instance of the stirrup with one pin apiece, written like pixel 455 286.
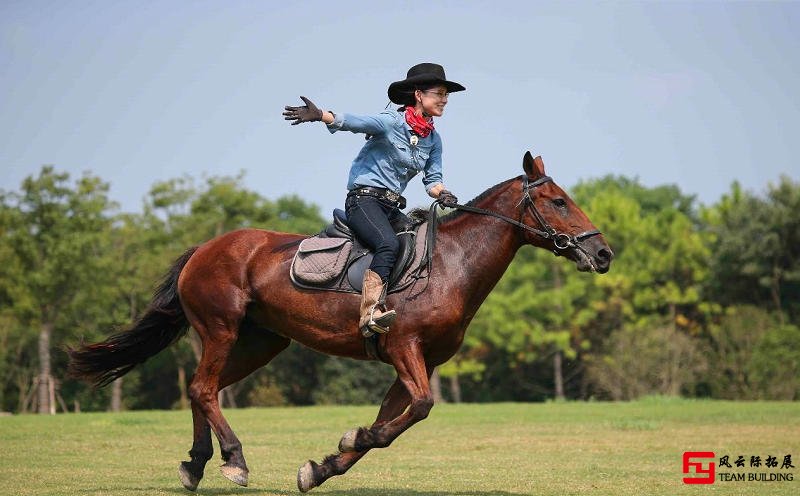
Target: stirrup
pixel 373 328
pixel 381 325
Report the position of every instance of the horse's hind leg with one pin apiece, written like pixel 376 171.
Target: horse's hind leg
pixel 254 348
pixel 202 450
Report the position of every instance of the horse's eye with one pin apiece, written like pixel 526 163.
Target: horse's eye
pixel 560 202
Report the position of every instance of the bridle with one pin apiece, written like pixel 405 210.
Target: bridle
pixel 561 240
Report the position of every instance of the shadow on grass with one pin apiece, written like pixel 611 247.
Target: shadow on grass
pixel 364 491
pixel 368 491
pixel 201 491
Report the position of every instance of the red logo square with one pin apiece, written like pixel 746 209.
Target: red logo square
pixel 698 467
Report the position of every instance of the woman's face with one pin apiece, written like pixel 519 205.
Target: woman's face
pixel 432 100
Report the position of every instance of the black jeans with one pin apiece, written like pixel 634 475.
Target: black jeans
pixel 370 219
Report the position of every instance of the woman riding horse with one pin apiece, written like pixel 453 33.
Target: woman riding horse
pixel 400 144
pixel 235 290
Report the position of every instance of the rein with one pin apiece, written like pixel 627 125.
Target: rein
pixel 561 240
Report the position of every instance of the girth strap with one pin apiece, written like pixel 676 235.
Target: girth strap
pixel 372 346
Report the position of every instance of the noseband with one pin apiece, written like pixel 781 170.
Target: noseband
pixel 561 240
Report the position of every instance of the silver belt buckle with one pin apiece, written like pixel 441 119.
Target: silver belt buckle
pixel 392 196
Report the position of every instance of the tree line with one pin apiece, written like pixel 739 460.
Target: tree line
pixel 701 301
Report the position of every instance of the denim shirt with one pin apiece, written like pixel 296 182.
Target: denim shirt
pixel 388 159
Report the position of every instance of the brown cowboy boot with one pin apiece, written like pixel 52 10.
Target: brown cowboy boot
pixel 373 318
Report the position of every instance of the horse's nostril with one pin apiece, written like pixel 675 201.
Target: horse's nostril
pixel 605 255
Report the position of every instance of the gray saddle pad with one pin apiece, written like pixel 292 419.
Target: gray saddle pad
pixel 338 264
pixel 320 260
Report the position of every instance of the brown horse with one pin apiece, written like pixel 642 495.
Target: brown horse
pixel 235 291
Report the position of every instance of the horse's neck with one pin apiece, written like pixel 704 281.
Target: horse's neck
pixel 476 250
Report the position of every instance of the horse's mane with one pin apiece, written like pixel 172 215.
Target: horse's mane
pixel 423 214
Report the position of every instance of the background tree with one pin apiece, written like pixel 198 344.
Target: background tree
pixel 699 302
pixel 57 238
pixel 757 249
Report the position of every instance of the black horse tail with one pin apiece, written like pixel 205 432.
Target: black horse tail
pixel 162 324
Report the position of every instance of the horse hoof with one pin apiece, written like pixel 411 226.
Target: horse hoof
pixel 305 477
pixel 348 441
pixel 188 480
pixel 234 474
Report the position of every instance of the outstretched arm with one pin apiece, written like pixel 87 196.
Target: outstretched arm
pixel 370 124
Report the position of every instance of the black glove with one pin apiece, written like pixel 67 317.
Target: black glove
pixel 447 198
pixel 307 113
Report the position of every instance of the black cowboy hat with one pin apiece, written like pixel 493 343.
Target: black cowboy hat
pixel 421 74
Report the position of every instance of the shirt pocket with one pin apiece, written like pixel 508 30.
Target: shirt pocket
pixel 402 152
pixel 420 157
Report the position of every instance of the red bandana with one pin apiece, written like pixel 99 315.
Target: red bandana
pixel 419 124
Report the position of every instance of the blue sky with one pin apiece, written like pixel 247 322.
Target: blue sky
pixel 693 93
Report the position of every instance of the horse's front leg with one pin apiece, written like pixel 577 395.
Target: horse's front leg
pixel 413 374
pixel 312 474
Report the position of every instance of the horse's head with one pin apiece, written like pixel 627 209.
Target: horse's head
pixel 562 226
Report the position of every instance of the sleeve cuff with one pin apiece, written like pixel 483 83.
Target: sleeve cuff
pixel 429 187
pixel 338 122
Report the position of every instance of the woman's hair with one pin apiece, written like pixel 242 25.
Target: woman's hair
pixel 408 96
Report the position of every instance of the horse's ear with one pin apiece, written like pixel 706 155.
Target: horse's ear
pixel 534 167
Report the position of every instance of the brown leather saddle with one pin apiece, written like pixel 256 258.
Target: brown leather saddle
pixel 335 260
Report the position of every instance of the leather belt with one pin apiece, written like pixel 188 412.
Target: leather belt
pixel 381 193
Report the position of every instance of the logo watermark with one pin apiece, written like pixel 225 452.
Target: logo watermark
pixel 703 467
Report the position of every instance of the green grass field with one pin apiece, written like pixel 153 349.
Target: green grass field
pixel 476 450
